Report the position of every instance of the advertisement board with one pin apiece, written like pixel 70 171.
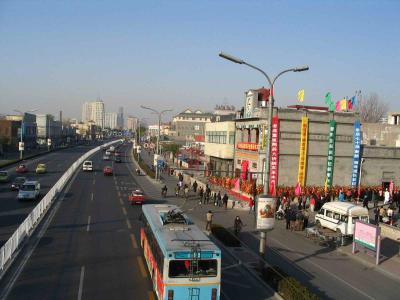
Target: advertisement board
pixel 356 153
pixel 301 177
pixel 21 146
pixel 331 153
pixel 366 235
pixel 274 160
pixel 266 208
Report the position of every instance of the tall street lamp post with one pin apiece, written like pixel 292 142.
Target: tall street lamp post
pixel 159 130
pixel 21 145
pixel 263 234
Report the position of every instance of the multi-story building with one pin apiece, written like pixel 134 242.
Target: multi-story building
pixel 94 111
pixel 189 124
pixel 132 123
pixel 48 128
pixel 153 129
pixel 29 128
pixel 120 118
pixel 9 135
pixel 111 121
pixel 219 147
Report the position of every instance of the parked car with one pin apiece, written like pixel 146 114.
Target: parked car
pixel 107 170
pixel 17 183
pixel 136 196
pixel 21 169
pixel 41 168
pixel 4 176
pixel 87 165
pixel 30 190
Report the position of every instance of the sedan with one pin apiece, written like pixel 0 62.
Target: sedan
pixel 107 170
pixel 41 168
pixel 21 169
pixel 106 157
pixel 4 176
pixel 118 159
pixel 17 183
pixel 136 196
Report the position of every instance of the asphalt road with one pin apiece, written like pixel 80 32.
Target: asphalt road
pixel 90 249
pixel 13 211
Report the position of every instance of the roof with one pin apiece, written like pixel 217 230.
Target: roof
pixel 174 236
pixel 345 208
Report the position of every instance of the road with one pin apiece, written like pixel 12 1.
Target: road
pixel 12 211
pixel 91 248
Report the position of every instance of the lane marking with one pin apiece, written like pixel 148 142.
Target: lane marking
pixel 119 194
pixel 133 241
pixel 124 211
pixel 141 266
pixel 88 224
pixel 81 283
pixel 120 201
pixel 91 197
pixel 128 223
pixel 151 295
pixel 94 180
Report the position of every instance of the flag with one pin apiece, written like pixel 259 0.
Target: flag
pixel 300 95
pixel 337 105
pixel 353 101
pixel 326 184
pixel 332 106
pixel 349 104
pixel 343 104
pixel 328 98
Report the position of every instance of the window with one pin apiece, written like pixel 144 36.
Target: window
pixel 239 161
pixel 329 214
pixel 254 165
pixel 364 218
pixel 218 137
pixel 231 137
pixel 336 216
pixel 322 211
pixel 344 218
pixel 354 219
pixel 182 268
pixel 196 127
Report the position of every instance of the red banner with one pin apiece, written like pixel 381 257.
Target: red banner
pixel 247 146
pixel 274 159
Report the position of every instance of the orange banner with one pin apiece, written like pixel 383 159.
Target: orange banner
pixel 247 146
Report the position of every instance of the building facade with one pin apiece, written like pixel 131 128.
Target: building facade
pixel 9 135
pixel 29 129
pixel 189 124
pixel 94 111
pixel 132 123
pixel 111 120
pixel 120 118
pixel 48 128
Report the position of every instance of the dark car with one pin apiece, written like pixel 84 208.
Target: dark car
pixel 17 183
pixel 118 159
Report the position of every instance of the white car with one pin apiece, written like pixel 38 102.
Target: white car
pixel 30 190
pixel 87 165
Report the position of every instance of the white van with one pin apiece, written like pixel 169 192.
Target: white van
pixel 87 165
pixel 341 216
pixel 30 190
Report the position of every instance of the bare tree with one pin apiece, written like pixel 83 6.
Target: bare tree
pixel 371 108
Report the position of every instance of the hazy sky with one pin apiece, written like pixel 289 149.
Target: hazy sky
pixel 57 54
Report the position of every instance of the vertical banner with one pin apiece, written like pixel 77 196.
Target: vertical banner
pixel 301 177
pixel 331 154
pixel 274 158
pixel 356 153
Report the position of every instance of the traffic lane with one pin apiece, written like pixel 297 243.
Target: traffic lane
pixel 53 271
pixel 329 274
pixel 13 211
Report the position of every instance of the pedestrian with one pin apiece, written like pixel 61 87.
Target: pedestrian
pixel 214 198
pixel 201 193
pixel 312 202
pixel 390 214
pixel 386 197
pixel 382 213
pixel 195 186
pixel 306 215
pixel 287 217
pixel 292 219
pixel 374 198
pixel 225 200
pixel 251 205
pixel 341 195
pixel 177 188
pixel 186 191
pixel 209 217
pixel 365 199
pixel 376 211
pixel 219 198
pixel 180 177
pixel 237 225
pixel 208 194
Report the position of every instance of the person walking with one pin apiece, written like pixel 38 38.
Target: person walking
pixel 386 197
pixel 237 225
pixel 251 205
pixel 209 217
pixel 376 212
pixel 177 188
pixel 374 198
pixel 366 199
pixel 186 191
pixel 225 200
pixel 201 193
pixel 390 214
pixel 287 217
pixel 219 198
pixel 306 216
pixel 194 186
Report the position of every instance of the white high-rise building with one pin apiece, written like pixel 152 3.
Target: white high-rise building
pixel 120 119
pixel 111 120
pixel 132 123
pixel 94 111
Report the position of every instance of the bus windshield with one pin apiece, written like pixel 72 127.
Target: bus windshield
pixel 181 268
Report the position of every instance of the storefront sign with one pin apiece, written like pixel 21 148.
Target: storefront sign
pixel 274 160
pixel 301 177
pixel 331 153
pixel 247 146
pixel 356 153
pixel 266 207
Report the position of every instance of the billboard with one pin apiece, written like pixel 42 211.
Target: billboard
pixel 274 159
pixel 356 153
pixel 266 208
pixel 331 153
pixel 366 235
pixel 301 177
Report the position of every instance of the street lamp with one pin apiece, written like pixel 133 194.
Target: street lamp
pixel 270 110
pixel 21 146
pixel 159 130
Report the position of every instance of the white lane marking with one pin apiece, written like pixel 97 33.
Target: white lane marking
pixel 128 223
pixel 91 197
pixel 124 211
pixel 94 181
pixel 322 269
pixel 80 290
pixel 88 224
pixel 119 194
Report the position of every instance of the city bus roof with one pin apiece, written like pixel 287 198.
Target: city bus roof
pixel 175 236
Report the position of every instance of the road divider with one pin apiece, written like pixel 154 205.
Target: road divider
pixel 10 249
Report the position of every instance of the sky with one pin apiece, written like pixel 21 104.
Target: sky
pixel 55 55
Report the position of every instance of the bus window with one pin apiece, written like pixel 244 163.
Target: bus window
pixel 344 218
pixel 336 216
pixel 364 218
pixel 354 219
pixel 181 268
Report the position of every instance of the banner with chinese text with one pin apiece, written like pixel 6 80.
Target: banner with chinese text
pixel 301 177
pixel 356 153
pixel 274 158
pixel 331 154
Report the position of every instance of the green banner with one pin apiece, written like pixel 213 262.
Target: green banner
pixel 331 154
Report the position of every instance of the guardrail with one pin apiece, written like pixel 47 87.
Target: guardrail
pixel 29 224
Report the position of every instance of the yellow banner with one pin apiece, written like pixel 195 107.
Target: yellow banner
pixel 301 177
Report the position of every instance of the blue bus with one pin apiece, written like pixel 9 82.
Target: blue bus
pixel 183 262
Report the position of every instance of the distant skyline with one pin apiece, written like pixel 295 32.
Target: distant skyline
pixel 56 55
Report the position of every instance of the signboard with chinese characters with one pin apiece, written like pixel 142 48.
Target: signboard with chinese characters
pixel 251 103
pixel 331 153
pixel 274 159
pixel 367 236
pixel 247 146
pixel 266 207
pixel 356 153
pixel 21 146
pixel 301 176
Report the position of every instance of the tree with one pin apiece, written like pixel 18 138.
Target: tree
pixel 372 108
